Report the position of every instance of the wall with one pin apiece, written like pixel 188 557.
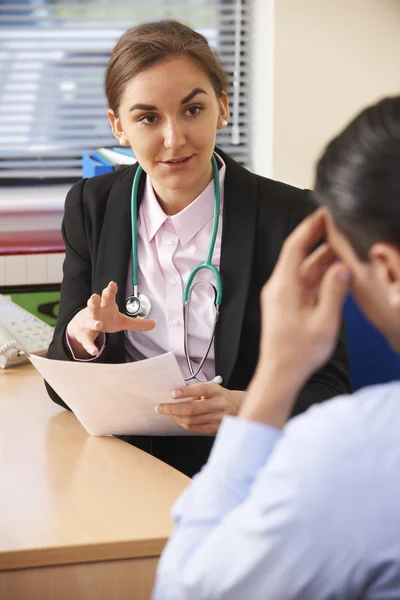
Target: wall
pixel 331 58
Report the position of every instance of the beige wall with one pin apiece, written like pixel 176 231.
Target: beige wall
pixel 332 57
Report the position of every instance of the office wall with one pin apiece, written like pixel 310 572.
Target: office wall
pixel 331 58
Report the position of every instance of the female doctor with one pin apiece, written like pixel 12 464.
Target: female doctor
pixel 125 282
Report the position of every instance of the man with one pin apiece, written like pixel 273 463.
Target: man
pixel 311 509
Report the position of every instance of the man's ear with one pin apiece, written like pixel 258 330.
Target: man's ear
pixel 116 127
pixel 385 260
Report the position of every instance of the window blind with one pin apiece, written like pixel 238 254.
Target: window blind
pixel 53 55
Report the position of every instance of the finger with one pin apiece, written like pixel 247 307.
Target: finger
pixel 182 409
pixel 93 305
pixel 315 265
pixel 195 420
pixel 209 429
pixel 206 390
pixel 132 324
pixel 88 343
pixel 306 235
pixel 109 293
pixel 92 324
pixel 333 291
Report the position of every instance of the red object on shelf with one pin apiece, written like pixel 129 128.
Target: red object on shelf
pixel 31 242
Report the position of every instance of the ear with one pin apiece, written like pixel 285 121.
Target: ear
pixel 385 261
pixel 223 111
pixel 116 127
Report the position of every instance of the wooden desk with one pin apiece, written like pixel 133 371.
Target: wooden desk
pixel 80 517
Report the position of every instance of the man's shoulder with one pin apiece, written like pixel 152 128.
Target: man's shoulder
pixel 342 432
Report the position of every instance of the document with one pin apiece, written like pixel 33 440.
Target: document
pixel 117 399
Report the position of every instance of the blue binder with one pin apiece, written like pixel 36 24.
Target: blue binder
pixel 94 164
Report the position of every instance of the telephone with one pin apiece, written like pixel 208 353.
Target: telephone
pixel 21 333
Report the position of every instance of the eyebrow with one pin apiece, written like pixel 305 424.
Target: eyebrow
pixel 186 99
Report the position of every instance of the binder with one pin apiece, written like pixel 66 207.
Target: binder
pixel 94 164
pixel 117 159
pixel 123 150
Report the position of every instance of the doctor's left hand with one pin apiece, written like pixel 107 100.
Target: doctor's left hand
pixel 205 406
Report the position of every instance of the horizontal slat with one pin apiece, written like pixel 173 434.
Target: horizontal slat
pixel 89 142
pixel 67 8
pixel 74 137
pixel 85 92
pixel 155 5
pixel 60 37
pixel 26 164
pixel 76 105
pixel 49 51
pixel 17 104
pixel 71 54
pixel 41 174
pixel 224 22
pixel 50 68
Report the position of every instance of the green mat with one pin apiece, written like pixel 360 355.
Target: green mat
pixel 41 304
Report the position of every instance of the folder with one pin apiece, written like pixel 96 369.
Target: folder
pixel 92 165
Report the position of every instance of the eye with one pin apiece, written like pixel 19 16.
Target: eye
pixel 148 119
pixel 194 110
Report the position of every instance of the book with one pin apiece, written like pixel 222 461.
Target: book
pixel 116 158
pixel 123 150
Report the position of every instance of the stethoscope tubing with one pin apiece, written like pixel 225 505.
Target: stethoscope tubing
pixel 139 299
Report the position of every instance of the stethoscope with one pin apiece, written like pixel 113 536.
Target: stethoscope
pixel 139 305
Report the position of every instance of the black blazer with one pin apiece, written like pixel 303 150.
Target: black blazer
pixel 258 215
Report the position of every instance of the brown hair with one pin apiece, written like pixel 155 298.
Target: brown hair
pixel 149 43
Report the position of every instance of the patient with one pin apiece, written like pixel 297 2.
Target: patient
pixel 311 509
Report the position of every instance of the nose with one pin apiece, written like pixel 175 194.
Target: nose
pixel 174 135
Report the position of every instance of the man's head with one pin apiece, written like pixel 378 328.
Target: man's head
pixel 358 180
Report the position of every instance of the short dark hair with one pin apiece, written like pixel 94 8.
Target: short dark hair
pixel 358 177
pixel 149 43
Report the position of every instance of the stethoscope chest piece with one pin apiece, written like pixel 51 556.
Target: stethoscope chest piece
pixel 138 306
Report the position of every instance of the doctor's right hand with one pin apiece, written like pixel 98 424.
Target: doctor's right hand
pixel 100 315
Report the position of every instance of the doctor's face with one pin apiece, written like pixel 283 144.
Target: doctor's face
pixel 169 114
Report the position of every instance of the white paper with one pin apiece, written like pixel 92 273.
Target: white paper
pixel 117 399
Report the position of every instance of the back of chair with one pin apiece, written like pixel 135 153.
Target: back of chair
pixel 371 358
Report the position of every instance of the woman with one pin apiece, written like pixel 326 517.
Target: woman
pixel 167 97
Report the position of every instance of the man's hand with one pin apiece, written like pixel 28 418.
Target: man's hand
pixel 301 309
pixel 205 406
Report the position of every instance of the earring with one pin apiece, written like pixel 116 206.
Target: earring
pixel 122 141
pixel 224 123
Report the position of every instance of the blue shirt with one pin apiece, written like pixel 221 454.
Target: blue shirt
pixel 312 513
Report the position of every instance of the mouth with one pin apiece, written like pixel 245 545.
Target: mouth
pixel 180 160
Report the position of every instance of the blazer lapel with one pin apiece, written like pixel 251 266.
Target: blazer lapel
pixel 237 247
pixel 115 245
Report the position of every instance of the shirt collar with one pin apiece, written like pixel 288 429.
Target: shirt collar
pixel 152 216
pixel 191 219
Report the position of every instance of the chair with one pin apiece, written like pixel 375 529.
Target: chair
pixel 371 358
